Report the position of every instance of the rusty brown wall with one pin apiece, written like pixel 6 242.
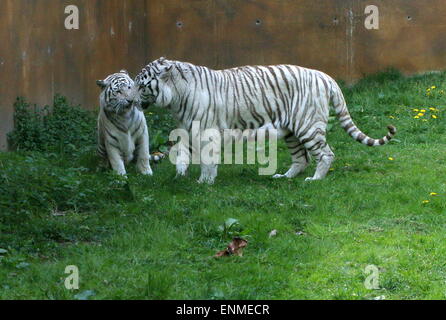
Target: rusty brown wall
pixel 39 58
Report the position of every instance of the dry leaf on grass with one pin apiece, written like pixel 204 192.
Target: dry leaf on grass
pixel 234 248
pixel 221 254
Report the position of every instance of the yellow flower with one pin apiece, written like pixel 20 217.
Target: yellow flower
pixel 415 110
pixel 434 116
pixel 433 194
pixel 423 110
pixel 432 109
pixel 425 201
pixel 391 159
pixel 433 87
pixel 416 117
pixel 428 89
pixel 420 114
pixel 391 117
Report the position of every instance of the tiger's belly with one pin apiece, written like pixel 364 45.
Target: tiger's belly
pixel 269 129
pixel 127 146
pixel 280 132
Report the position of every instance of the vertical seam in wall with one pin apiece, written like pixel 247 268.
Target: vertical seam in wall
pixel 145 31
pixel 217 35
pixel 349 36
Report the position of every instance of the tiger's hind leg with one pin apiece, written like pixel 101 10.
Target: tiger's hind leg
pixel 299 155
pixel 320 150
pixel 102 150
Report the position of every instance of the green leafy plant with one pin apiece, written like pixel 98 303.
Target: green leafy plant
pixel 160 123
pixel 68 129
pixel 61 128
pixel 232 228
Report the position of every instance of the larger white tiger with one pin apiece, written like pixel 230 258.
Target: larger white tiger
pixel 122 127
pixel 291 99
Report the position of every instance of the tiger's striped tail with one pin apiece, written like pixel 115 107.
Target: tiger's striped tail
pixel 349 126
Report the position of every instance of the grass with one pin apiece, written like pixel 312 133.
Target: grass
pixel 154 238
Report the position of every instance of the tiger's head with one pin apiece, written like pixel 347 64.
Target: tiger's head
pixel 118 92
pixel 152 83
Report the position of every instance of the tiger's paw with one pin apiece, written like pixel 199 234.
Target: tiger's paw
pixel 147 172
pixel 278 176
pixel 181 170
pixel 206 179
pixel 312 179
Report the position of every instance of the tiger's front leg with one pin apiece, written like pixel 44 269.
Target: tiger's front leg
pixel 182 159
pixel 210 156
pixel 143 154
pixel 208 173
pixel 115 159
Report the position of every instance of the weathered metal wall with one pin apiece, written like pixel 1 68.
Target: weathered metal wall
pixel 39 57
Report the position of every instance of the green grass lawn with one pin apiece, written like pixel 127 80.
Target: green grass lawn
pixel 155 237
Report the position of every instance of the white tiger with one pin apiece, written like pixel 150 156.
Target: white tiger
pixel 291 99
pixel 122 127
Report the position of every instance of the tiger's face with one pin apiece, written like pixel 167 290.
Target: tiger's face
pixel 151 84
pixel 118 92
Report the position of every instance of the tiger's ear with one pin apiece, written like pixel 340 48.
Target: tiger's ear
pixel 101 83
pixel 166 73
pixel 124 71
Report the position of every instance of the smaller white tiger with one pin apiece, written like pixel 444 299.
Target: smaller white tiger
pixel 122 128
